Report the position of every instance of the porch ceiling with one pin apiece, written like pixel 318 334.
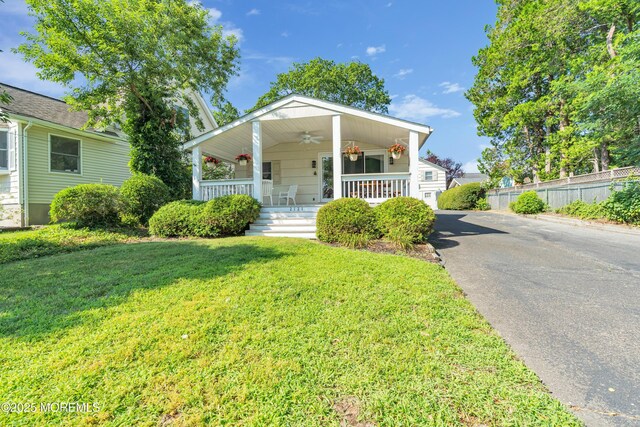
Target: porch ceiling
pixel 287 124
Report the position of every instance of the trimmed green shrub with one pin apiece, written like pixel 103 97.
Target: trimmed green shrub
pixel 87 205
pixel 402 237
pixel 583 210
pixel 229 215
pixel 142 195
pixel 405 217
pixel 177 219
pixel 483 204
pixel 463 197
pixel 624 205
pixel 528 203
pixel 349 222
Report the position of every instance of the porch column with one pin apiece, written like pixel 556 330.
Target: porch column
pixel 196 172
pixel 337 157
pixel 414 157
pixel 257 159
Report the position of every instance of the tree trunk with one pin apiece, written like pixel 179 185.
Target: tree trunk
pixel 604 156
pixel 547 160
pixel 596 161
pixel 610 49
pixel 564 122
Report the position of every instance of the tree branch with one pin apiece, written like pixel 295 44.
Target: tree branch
pixel 610 49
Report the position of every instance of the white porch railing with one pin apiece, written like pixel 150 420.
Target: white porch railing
pixel 375 187
pixel 212 189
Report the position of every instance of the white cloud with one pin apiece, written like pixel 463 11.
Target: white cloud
pixel 389 4
pixel 404 72
pixel 228 28
pixel 14 7
pixel 253 12
pixel 412 107
pixel 16 72
pixel 451 87
pixel 471 167
pixel 284 34
pixel 375 50
pixel 270 59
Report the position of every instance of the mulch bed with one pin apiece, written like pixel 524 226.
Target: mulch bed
pixel 424 251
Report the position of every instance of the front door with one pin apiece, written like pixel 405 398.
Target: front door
pixel 326 177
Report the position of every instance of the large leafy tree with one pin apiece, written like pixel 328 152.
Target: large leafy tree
pixel 557 88
pixel 130 62
pixel 351 84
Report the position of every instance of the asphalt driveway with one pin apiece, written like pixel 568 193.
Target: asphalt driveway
pixel 566 298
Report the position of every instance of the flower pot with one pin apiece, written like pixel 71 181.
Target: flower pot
pixel 211 164
pixel 396 155
pixel 242 162
pixel 353 157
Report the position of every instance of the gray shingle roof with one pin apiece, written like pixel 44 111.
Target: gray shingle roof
pixel 42 107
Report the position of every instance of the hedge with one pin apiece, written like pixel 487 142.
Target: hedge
pixel 142 195
pixel 405 215
pixel 528 203
pixel 463 197
pixel 347 221
pixel 87 205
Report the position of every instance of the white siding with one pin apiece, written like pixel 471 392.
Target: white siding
pixel 10 181
pixel 430 190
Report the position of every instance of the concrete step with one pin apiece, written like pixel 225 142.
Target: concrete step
pixel 287 228
pixel 291 209
pixel 286 221
pixel 281 234
pixel 284 215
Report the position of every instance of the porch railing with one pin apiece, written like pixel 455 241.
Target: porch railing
pixel 212 189
pixel 375 187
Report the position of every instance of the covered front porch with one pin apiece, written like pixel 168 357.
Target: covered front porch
pixel 297 146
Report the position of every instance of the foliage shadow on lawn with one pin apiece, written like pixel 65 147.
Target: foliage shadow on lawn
pixel 35 308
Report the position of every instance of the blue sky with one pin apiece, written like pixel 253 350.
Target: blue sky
pixel 422 49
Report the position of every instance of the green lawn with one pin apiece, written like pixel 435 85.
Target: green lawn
pixel 53 239
pixel 255 331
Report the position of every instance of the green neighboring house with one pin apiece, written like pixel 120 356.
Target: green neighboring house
pixel 43 149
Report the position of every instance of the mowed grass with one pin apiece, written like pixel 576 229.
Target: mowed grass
pixel 255 332
pixel 53 239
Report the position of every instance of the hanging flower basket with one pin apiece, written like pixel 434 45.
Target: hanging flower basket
pixel 353 152
pixel 211 161
pixel 243 159
pixel 396 150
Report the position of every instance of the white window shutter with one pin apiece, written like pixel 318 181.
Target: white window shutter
pixel 12 145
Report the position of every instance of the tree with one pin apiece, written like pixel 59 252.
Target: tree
pixel 130 62
pixel 226 113
pixel 454 169
pixel 351 84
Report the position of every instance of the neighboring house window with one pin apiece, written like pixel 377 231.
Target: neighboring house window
pixel 64 154
pixel 428 176
pixel 266 170
pixel 4 149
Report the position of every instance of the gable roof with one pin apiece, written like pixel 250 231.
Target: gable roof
pixel 433 165
pixel 468 178
pixel 29 104
pixel 314 102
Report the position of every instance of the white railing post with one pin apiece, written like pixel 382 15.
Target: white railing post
pixel 337 157
pixel 414 179
pixel 196 172
pixel 257 160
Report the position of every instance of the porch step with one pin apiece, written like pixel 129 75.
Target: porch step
pixel 286 221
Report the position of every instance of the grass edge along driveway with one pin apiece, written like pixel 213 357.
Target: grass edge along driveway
pixel 255 331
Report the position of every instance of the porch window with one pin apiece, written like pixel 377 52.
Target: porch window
pixel 267 171
pixel 366 163
pixel 4 149
pixel 64 154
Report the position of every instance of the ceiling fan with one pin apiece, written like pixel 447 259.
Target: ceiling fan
pixel 308 139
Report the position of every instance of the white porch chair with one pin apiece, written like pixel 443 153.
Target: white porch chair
pixel 267 190
pixel 289 194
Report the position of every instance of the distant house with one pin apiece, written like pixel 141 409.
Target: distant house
pixel 468 178
pixel 433 181
pixel 43 149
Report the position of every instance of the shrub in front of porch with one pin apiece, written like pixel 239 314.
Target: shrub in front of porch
pixel 463 197
pixel 405 220
pixel 349 222
pixel 229 215
pixel 177 219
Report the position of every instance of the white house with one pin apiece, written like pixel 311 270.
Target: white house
pixel 297 147
pixel 433 181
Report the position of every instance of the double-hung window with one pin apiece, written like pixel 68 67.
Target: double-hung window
pixel 65 154
pixel 4 149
